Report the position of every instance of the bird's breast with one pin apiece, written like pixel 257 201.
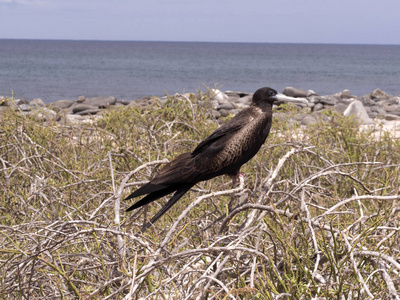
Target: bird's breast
pixel 242 146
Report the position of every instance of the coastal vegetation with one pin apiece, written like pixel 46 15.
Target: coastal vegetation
pixel 316 217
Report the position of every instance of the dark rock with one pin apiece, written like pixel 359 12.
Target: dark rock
pixel 227 106
pixel 24 107
pixel 318 106
pixel 341 107
pixel 21 101
pixel 308 120
pixel 89 112
pixel 391 107
pixel 18 104
pixel 366 100
pixel 100 102
pixel 313 99
pixel 77 108
pixel 390 117
pixel 378 110
pixel 236 94
pixel 311 93
pixel 386 102
pixel 379 94
pixel 216 114
pixel 301 104
pixel 232 95
pixel 245 100
pixel 327 100
pixel 357 109
pixel 345 94
pixel 124 102
pixel 223 101
pixel 395 112
pixel 233 99
pixel 346 101
pixel 292 92
pixel 224 113
pixel 61 104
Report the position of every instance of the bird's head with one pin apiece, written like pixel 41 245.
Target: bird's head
pixel 269 95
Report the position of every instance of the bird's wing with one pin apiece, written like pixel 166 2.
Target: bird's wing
pixel 167 180
pixel 178 171
pixel 213 142
pixel 184 168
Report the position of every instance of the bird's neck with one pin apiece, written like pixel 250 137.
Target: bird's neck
pixel 264 107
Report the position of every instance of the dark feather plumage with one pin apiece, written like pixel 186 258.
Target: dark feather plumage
pixel 223 152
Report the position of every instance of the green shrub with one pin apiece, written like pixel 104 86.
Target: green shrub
pixel 296 232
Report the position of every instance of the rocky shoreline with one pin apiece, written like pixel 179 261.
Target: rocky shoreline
pixel 377 106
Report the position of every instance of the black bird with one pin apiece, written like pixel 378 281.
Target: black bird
pixel 223 152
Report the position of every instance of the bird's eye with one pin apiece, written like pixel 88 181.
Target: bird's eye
pixel 271 93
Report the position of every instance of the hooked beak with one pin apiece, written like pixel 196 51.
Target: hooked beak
pixel 281 97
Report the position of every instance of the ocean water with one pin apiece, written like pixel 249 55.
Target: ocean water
pixel 54 70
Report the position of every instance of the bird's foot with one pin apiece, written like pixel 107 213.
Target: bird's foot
pixel 237 178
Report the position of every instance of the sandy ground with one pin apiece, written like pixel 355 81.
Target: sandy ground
pixel 381 126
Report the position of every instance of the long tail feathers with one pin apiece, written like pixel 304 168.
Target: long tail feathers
pixel 179 193
pixel 151 197
pixel 148 188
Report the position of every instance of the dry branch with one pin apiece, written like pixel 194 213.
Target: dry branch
pixel 318 219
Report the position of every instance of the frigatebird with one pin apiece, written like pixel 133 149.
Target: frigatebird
pixel 223 152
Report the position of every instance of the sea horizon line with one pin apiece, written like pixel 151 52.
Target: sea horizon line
pixel 192 42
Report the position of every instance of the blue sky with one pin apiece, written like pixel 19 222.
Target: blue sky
pixel 274 21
